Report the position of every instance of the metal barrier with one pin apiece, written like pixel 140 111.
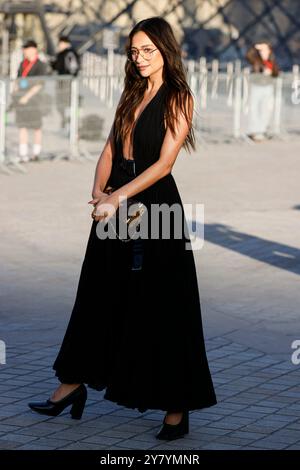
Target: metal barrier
pixel 217 106
pixel 289 94
pixel 36 121
pixel 225 104
pixel 52 118
pixel 75 114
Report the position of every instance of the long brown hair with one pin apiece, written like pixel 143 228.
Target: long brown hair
pixel 178 94
pixel 254 58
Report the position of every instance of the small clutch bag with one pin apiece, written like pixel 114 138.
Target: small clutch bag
pixel 133 215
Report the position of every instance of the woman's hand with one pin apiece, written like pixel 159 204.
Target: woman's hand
pixel 105 207
pixel 97 196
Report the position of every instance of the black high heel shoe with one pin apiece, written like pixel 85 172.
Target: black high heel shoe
pixel 170 432
pixel 77 399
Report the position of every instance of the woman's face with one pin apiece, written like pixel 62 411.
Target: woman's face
pixel 264 50
pixel 153 62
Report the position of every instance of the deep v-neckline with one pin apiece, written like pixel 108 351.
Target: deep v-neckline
pixel 137 120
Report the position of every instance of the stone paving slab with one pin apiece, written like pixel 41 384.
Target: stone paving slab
pixel 232 424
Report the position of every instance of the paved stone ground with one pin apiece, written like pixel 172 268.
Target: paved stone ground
pixel 248 275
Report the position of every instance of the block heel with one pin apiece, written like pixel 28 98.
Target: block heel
pixel 78 407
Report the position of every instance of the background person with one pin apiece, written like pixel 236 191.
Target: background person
pixel 27 99
pixel 67 62
pixel 261 99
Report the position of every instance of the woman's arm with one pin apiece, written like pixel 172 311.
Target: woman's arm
pixel 104 165
pixel 106 207
pixel 168 154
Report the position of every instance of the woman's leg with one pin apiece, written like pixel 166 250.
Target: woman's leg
pixel 173 417
pixel 175 425
pixel 63 390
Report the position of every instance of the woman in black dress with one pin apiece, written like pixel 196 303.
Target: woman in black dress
pixel 136 327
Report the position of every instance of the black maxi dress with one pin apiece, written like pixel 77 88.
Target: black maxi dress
pixel 138 332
